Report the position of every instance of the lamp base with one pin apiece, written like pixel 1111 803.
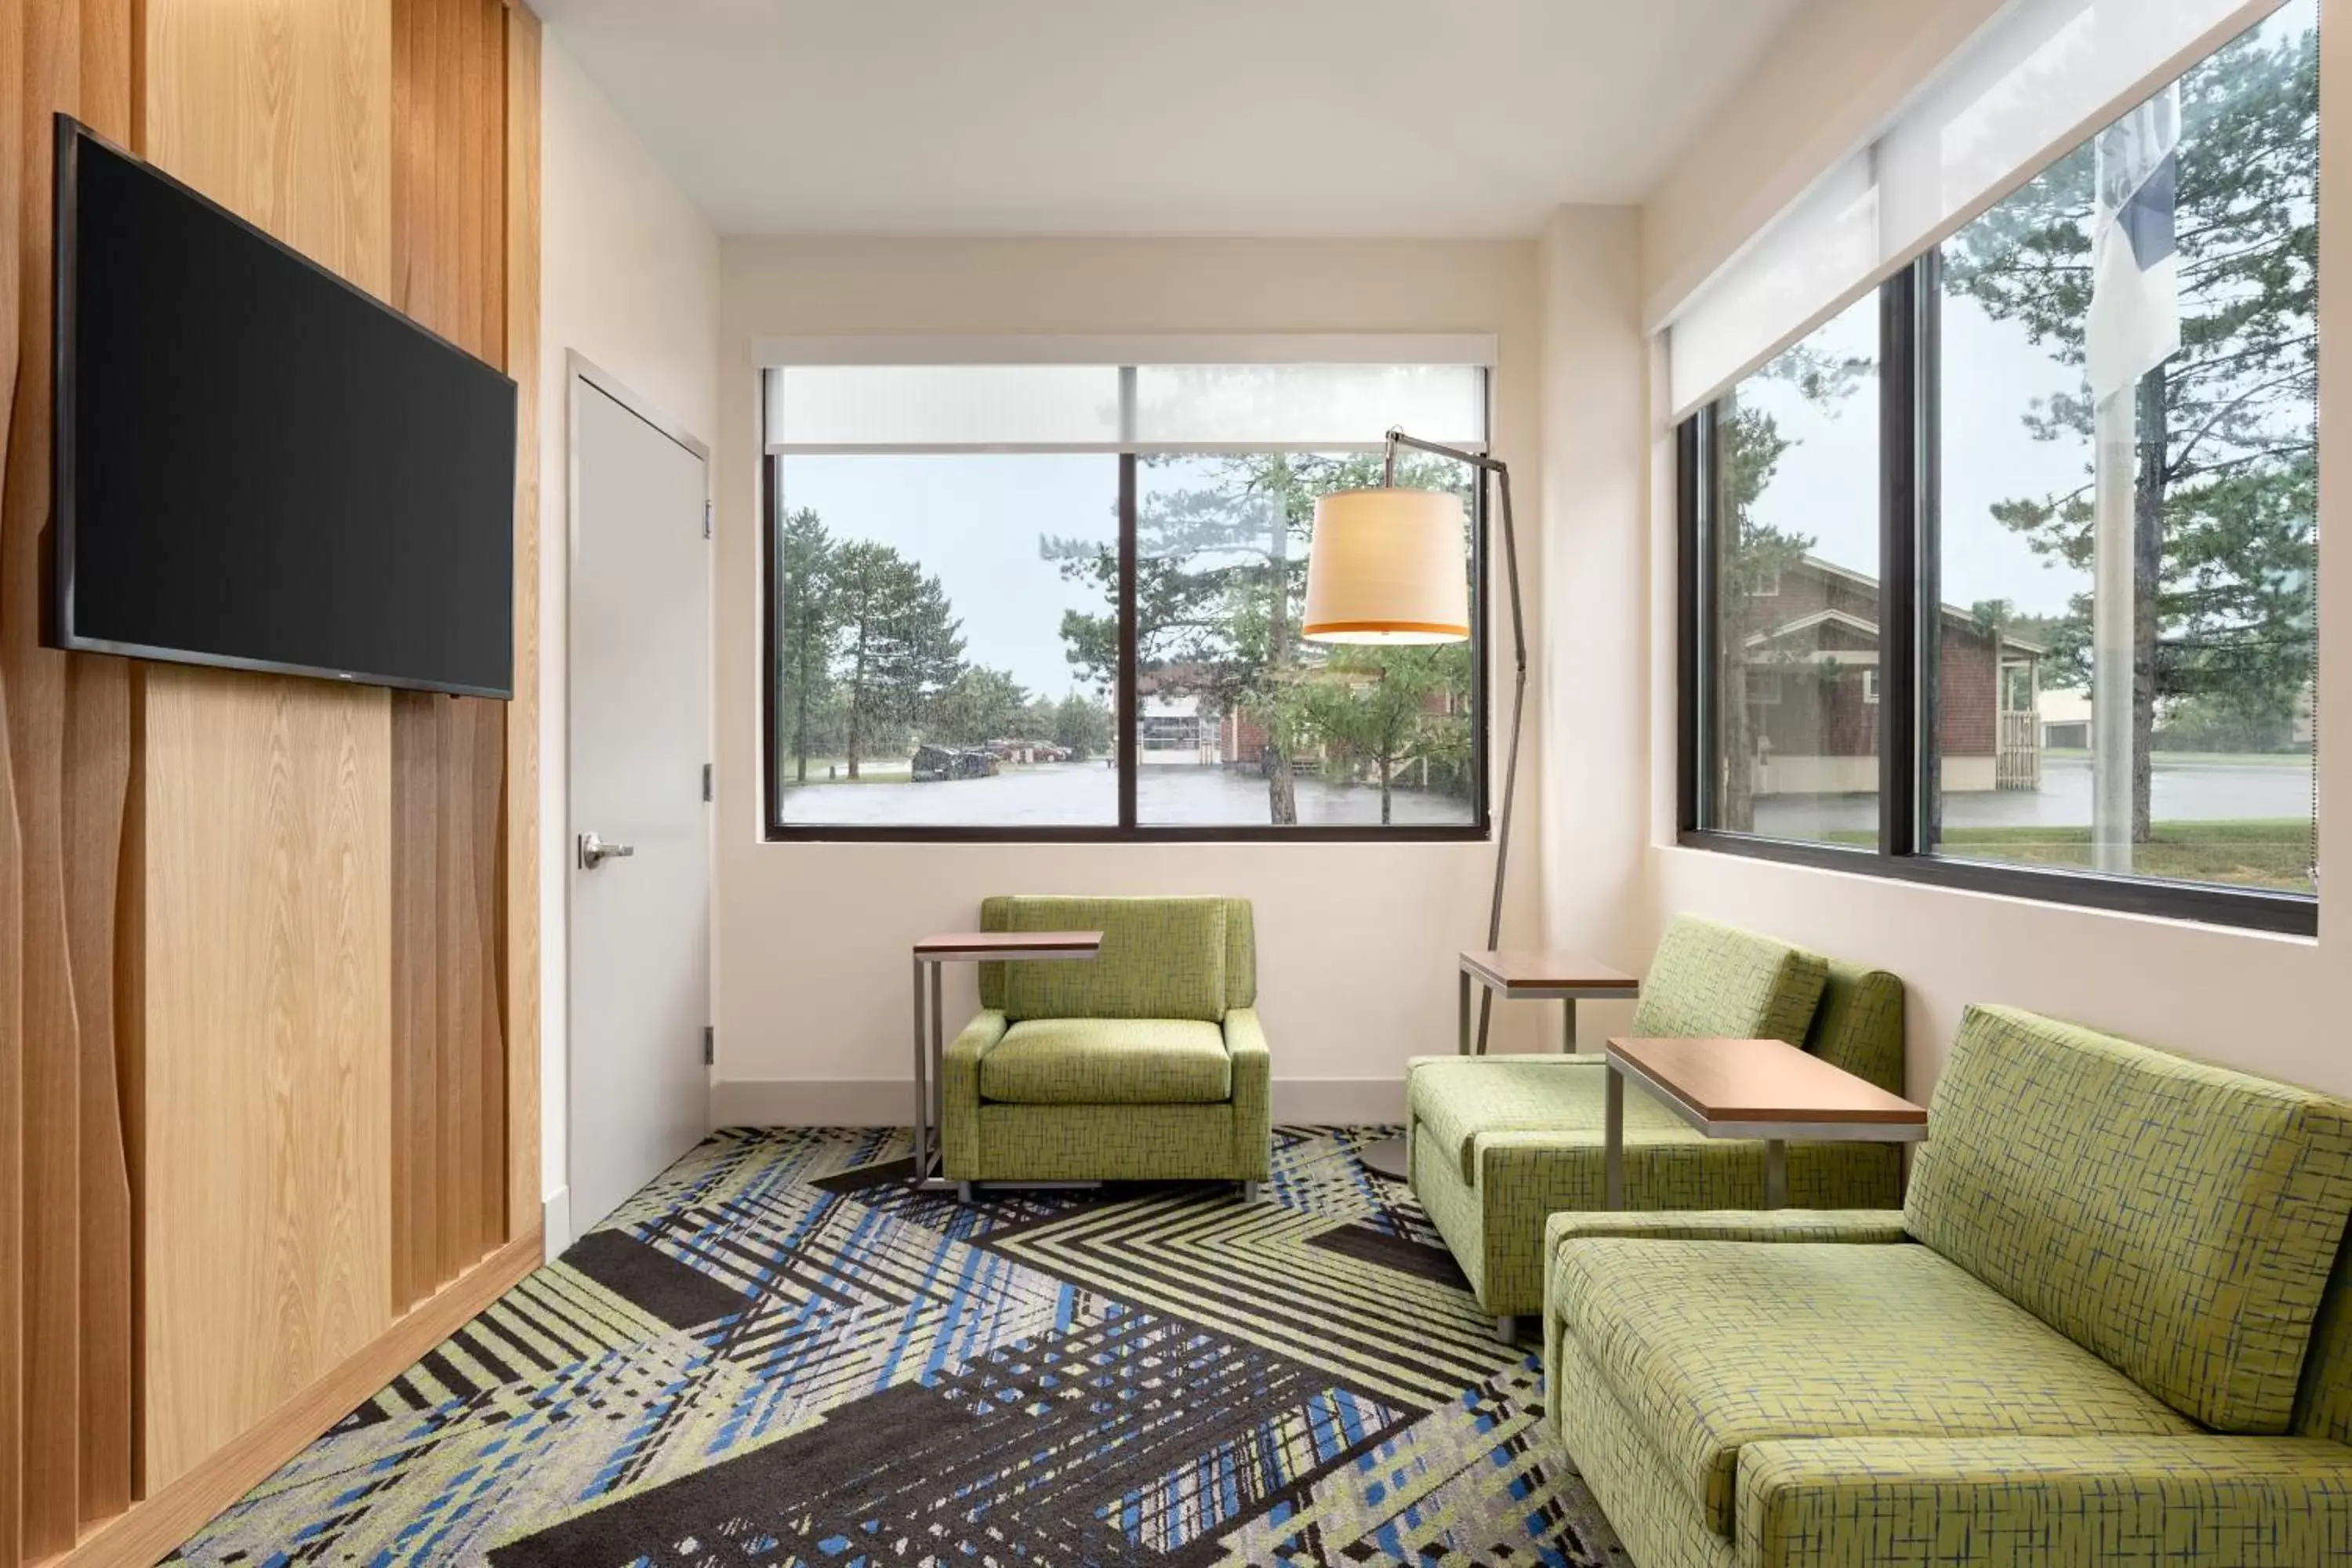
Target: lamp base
pixel 1386 1158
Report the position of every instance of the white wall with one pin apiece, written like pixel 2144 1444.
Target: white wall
pixel 629 278
pixel 1593 775
pixel 1357 941
pixel 2273 1004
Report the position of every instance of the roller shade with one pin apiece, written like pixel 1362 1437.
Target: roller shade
pixel 2037 79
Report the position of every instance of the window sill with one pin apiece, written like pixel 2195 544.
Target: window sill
pixel 796 833
pixel 2245 908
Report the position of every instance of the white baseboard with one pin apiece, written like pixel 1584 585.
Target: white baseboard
pixel 555 1221
pixel 889 1103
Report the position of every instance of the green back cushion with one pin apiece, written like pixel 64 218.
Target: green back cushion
pixel 2177 1219
pixel 2323 1406
pixel 1161 958
pixel 1859 1027
pixel 1710 979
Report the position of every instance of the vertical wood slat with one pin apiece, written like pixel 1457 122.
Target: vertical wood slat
pixel 98 771
pixel 521 824
pixel 50 1052
pixel 65 1224
pixel 266 825
pixel 12 169
pixel 449 245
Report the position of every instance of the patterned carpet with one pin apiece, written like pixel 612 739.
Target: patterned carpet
pixel 778 1354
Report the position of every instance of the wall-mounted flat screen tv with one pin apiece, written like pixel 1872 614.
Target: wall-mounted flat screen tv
pixel 259 465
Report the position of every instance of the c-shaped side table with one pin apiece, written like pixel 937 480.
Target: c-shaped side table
pixel 930 1049
pixel 1516 975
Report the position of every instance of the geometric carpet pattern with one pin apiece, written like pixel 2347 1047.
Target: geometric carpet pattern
pixel 778 1354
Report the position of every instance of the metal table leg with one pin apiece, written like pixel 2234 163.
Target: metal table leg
pixel 1613 1139
pixel 922 1089
pixel 1462 1038
pixel 1568 1025
pixel 1776 1174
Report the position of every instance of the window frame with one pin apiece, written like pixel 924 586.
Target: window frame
pixel 1910 594
pixel 1129 829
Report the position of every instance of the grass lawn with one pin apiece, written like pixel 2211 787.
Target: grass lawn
pixel 2274 853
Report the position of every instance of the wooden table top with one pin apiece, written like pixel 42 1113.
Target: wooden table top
pixel 1516 969
pixel 1762 1080
pixel 1006 944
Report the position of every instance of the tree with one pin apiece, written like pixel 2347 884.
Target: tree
pixel 806 626
pixel 899 644
pixel 2226 487
pixel 1082 726
pixel 1220 573
pixel 1750 552
pixel 1380 704
pixel 979 706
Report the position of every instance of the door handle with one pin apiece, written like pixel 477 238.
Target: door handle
pixel 594 851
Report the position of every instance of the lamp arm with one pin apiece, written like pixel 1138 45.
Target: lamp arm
pixel 1502 472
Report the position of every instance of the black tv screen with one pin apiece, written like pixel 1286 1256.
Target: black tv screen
pixel 259 465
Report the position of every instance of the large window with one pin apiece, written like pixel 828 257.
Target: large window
pixel 1062 601
pixel 2015 561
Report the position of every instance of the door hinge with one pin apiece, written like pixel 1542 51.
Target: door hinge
pixel 706 519
pixel 705 781
pixel 709 1045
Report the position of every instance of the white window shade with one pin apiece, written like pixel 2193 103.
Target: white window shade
pixel 1307 404
pixel 897 405
pixel 1140 406
pixel 2039 79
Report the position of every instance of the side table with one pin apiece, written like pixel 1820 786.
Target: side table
pixel 1752 1089
pixel 1516 974
pixel 931 1047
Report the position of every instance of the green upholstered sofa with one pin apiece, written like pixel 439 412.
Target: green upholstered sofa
pixel 1145 1063
pixel 2102 1330
pixel 1497 1143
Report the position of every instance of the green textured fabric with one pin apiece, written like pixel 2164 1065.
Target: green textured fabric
pixel 2177 1218
pixel 983 1141
pixel 1493 1220
pixel 959 1093
pixel 2203 1502
pixel 1714 1345
pixel 2323 1404
pixel 1652 1515
pixel 1104 1143
pixel 1856 1226
pixel 1711 979
pixel 1985 1502
pixel 1859 1024
pixel 1241 948
pixel 1160 958
pixel 1109 1061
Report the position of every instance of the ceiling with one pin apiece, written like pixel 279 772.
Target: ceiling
pixel 1164 117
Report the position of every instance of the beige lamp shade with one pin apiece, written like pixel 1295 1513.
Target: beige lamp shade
pixel 1387 566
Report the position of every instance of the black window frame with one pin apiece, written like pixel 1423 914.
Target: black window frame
pixel 1910 592
pixel 1129 829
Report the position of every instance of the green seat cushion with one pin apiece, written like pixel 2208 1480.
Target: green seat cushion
pixel 1711 979
pixel 2178 1219
pixel 1713 1345
pixel 1160 958
pixel 1457 1098
pixel 1109 1061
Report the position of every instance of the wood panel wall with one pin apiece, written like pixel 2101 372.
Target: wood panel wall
pixel 269 948
pixel 449 266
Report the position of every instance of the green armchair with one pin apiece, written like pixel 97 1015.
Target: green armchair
pixel 1146 1064
pixel 2112 1324
pixel 1497 1143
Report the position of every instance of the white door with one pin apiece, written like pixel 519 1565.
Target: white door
pixel 640 723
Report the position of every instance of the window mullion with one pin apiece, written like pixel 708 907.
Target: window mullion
pixel 1898 563
pixel 1128 716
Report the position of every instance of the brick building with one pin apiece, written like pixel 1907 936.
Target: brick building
pixel 1811 675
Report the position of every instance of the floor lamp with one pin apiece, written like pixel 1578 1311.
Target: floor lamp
pixel 1387 566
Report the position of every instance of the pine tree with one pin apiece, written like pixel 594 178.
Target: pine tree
pixel 2226 487
pixel 806 626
